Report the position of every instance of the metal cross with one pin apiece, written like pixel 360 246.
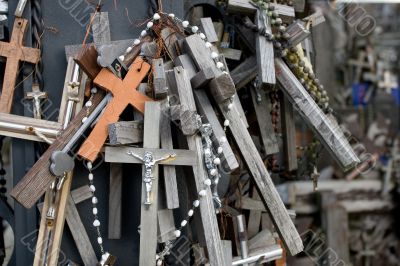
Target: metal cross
pixel 149 162
pixel 36 95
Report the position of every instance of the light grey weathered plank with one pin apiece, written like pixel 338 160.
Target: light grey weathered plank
pixel 126 132
pixel 207 27
pixel 115 201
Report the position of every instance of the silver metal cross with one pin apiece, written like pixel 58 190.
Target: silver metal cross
pixel 149 162
pixel 36 95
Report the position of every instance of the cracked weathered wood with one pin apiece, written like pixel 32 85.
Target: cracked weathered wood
pixel 115 201
pixel 125 132
pixel 166 226
pixel 159 79
pixel 207 27
pixel 264 52
pixel 327 130
pixel 266 187
pixel 207 212
pixel 262 107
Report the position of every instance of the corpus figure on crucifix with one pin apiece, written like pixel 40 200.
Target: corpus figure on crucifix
pixel 149 163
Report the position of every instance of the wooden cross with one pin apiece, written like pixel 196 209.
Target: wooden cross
pixel 124 92
pixel 15 52
pixel 151 144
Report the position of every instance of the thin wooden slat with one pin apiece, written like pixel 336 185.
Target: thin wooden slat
pixel 171 186
pixel 115 201
pixel 125 132
pixel 289 134
pixel 209 222
pixel 166 226
pixel 159 79
pixel 207 27
pixel 148 213
pixel 253 225
pixel 266 187
pixel 245 72
pixel 81 194
pixel 323 126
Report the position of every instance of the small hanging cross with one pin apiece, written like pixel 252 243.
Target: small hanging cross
pixel 314 178
pixel 149 162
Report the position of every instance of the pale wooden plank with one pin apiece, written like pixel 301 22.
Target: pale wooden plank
pixel 148 217
pixel 279 214
pixel 120 154
pixel 81 194
pixel 253 225
pixel 264 52
pixel 327 130
pixel 159 79
pixel 288 134
pixel 101 28
pixel 125 132
pixel 171 186
pixel 115 201
pixel 227 244
pixel 209 221
pixel 262 107
pixel 207 27
pixel 166 225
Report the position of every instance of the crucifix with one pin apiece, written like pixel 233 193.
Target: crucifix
pixel 149 163
pixel 150 155
pixel 36 95
pixel 124 92
pixel 15 51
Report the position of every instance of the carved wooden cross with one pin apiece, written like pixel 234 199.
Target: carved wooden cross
pixel 124 92
pixel 15 52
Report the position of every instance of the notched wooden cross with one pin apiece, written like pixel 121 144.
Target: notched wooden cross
pixel 15 52
pixel 124 92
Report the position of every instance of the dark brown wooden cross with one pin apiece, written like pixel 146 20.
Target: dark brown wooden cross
pixel 15 52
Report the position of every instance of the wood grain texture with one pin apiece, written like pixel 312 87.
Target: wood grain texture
pixel 166 225
pixel 120 154
pixel 115 201
pixel 24 127
pixel 170 184
pixel 266 187
pixel 264 52
pixel 245 72
pixel 253 225
pixel 38 178
pixel 326 129
pixel 125 132
pixel 207 27
pixel 241 7
pixel 15 52
pixel 262 107
pixel 232 54
pixel 148 213
pixel 169 39
pixel 124 92
pixel 208 218
pixel 202 78
pixel 79 234
pixel 206 110
pixel 159 79
pixel 81 194
pixel 100 28
pixel 87 61
pixel 222 87
pixel 51 256
pixel 289 134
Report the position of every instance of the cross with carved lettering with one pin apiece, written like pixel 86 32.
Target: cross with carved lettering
pixel 15 52
pixel 124 92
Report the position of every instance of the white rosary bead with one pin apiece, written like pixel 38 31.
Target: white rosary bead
pixel 94 210
pixel 190 213
pixel 143 33
pixel 230 106
pixel 202 193
pixel 104 256
pixel 185 23
pixel 88 104
pixel 202 36
pixel 196 203
pixel 222 140
pixel 90 176
pixel 156 16
pixel 226 123
pixel 171 15
pixel 128 50
pixel 183 223
pixel 220 150
pixel 177 233
pixel 121 58
pixel 220 65
pixel 84 119
pixel 157 256
pixel 208 44
pixel 89 165
pixel 207 182
pixel 217 161
pixel 213 172
pixel 159 262
pixel 214 55
pixel 136 42
pixel 195 29
pixel 100 240
pixel 93 90
pixel 96 223
pixel 94 200
pixel 150 24
pixel 92 188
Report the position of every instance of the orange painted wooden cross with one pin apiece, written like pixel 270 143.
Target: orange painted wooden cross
pixel 125 93
pixel 15 52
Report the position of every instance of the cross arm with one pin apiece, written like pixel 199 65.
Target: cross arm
pixel 31 55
